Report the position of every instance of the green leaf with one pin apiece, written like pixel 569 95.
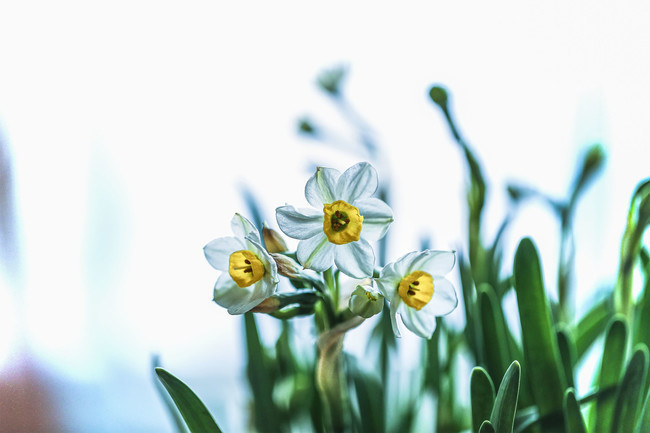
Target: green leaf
pixel 486 427
pixel 370 394
pixel 194 412
pixel 611 366
pixel 168 402
pixel 482 397
pixel 495 343
pixel 630 392
pixel 572 415
pixel 567 355
pixel 592 325
pixel 266 416
pixel 541 352
pixel 643 421
pixel 505 405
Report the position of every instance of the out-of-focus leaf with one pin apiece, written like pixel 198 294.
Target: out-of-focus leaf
pixel 172 410
pixel 469 306
pixel 643 420
pixel 505 405
pixel 266 416
pixel 495 345
pixel 482 397
pixel 567 355
pixel 370 394
pixel 630 392
pixel 611 365
pixel 642 314
pixel 572 415
pixel 592 162
pixel 486 427
pixel 194 412
pixel 541 352
pixel 592 325
pixel 432 360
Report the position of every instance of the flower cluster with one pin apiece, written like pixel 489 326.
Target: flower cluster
pixel 337 230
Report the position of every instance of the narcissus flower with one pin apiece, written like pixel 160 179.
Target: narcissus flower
pixel 417 290
pixel 346 218
pixel 249 273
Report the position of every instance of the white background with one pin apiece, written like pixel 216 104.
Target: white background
pixel 132 127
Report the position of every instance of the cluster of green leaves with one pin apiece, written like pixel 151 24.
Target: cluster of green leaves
pixel 324 389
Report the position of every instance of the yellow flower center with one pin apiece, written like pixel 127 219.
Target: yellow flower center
pixel 245 268
pixel 342 223
pixel 416 289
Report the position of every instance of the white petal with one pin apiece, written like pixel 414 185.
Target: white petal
pixel 358 181
pixel 388 286
pixel 436 263
pixel 421 323
pixel 444 299
pixel 299 223
pixel 377 217
pixel 402 265
pixel 321 187
pixel 218 251
pixel 316 253
pixel 241 226
pixel 229 295
pixel 393 317
pixel 270 267
pixel 355 259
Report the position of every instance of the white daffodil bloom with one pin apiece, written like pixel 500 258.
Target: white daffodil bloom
pixel 345 220
pixel 417 290
pixel 249 273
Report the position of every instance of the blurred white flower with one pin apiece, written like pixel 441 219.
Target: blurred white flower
pixel 346 218
pixel 366 301
pixel 249 273
pixel 417 290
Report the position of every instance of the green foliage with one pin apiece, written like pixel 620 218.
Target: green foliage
pixel 194 412
pixel 572 416
pixel 482 397
pixel 505 405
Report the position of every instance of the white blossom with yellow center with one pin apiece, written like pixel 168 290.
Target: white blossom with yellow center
pixel 417 290
pixel 249 274
pixel 345 220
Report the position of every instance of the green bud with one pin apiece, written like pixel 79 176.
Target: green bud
pixel 305 126
pixel 366 301
pixel 439 96
pixel 330 80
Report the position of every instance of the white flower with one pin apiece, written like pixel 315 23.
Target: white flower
pixel 417 290
pixel 366 301
pixel 249 274
pixel 346 218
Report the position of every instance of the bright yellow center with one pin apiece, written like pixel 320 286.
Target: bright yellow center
pixel 416 289
pixel 245 268
pixel 342 222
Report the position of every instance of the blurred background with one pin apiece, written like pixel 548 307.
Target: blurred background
pixel 129 130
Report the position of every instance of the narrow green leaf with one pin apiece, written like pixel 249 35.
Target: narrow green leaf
pixel 370 395
pixel 611 366
pixel 172 410
pixel 630 392
pixel 194 412
pixel 572 415
pixel 505 405
pixel 265 416
pixel 482 397
pixel 567 355
pixel 541 352
pixel 495 344
pixel 592 325
pixel 486 427
pixel 642 308
pixel 643 421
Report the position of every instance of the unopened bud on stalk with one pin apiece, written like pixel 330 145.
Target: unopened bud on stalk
pixel 269 305
pixel 439 96
pixel 287 267
pixel 366 301
pixel 273 240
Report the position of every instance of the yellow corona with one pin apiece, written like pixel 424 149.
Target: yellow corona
pixel 416 289
pixel 245 268
pixel 342 223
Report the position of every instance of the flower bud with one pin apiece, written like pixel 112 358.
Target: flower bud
pixel 287 267
pixel 366 301
pixel 269 305
pixel 439 96
pixel 273 241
